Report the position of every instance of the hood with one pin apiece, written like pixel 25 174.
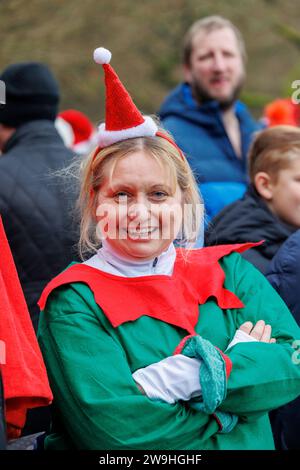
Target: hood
pixel 180 103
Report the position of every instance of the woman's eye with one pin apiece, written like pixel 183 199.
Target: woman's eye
pixel 159 195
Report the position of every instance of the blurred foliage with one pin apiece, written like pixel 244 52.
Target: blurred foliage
pixel 291 34
pixel 145 38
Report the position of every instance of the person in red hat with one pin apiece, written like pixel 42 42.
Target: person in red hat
pixel 149 346
pixel 31 193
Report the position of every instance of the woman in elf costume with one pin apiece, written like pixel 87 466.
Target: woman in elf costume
pixel 148 346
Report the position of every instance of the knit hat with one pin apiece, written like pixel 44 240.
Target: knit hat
pixel 31 93
pixel 122 119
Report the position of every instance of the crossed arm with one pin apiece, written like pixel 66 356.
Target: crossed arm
pixel 264 375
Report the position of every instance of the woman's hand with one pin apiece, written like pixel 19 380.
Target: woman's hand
pixel 260 332
pixel 249 333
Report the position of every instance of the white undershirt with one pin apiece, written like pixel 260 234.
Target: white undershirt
pixel 107 260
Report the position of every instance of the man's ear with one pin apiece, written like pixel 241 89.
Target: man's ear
pixel 264 185
pixel 187 75
pixel 5 134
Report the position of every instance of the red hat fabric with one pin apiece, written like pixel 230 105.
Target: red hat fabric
pixel 281 111
pixel 24 375
pixel 122 118
pixel 65 131
pixel 80 123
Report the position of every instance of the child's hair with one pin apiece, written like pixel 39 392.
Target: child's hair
pixel 273 149
pixel 92 172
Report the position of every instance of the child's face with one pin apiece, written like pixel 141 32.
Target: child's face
pixel 285 201
pixel 138 211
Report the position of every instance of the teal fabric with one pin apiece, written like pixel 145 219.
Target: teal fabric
pixel 228 421
pixel 212 373
pixel 212 380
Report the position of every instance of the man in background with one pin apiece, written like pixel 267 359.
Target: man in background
pixel 35 205
pixel 204 115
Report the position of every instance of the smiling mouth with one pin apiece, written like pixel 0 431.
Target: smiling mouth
pixel 144 233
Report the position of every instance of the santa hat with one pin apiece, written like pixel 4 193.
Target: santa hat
pixel 82 127
pixel 122 118
pixel 65 131
pixel 83 130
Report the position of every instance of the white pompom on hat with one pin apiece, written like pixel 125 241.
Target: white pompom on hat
pixel 102 56
pixel 122 118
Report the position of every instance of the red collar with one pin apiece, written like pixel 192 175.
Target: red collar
pixel 172 299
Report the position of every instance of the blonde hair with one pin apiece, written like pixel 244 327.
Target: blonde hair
pixel 207 25
pixel 92 175
pixel 273 149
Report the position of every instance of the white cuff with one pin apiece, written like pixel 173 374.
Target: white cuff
pixel 172 379
pixel 240 337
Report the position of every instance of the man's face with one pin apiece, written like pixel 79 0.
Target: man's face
pixel 216 69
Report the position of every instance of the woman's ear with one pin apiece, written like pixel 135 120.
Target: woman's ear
pixel 264 185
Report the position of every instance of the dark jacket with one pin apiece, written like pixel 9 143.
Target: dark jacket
pixel 284 275
pixel 249 219
pixel 37 207
pixel 200 133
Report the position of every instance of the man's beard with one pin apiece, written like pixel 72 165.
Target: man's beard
pixel 202 95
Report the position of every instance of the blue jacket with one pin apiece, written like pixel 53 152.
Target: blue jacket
pixel 284 275
pixel 199 131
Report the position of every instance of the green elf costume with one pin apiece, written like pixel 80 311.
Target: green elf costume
pixel 98 329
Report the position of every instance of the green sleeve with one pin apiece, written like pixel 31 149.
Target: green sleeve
pixel 99 402
pixel 264 376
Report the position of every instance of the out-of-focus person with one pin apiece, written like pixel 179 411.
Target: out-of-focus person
pixel 204 115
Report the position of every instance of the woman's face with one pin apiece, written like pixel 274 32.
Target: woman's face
pixel 138 212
